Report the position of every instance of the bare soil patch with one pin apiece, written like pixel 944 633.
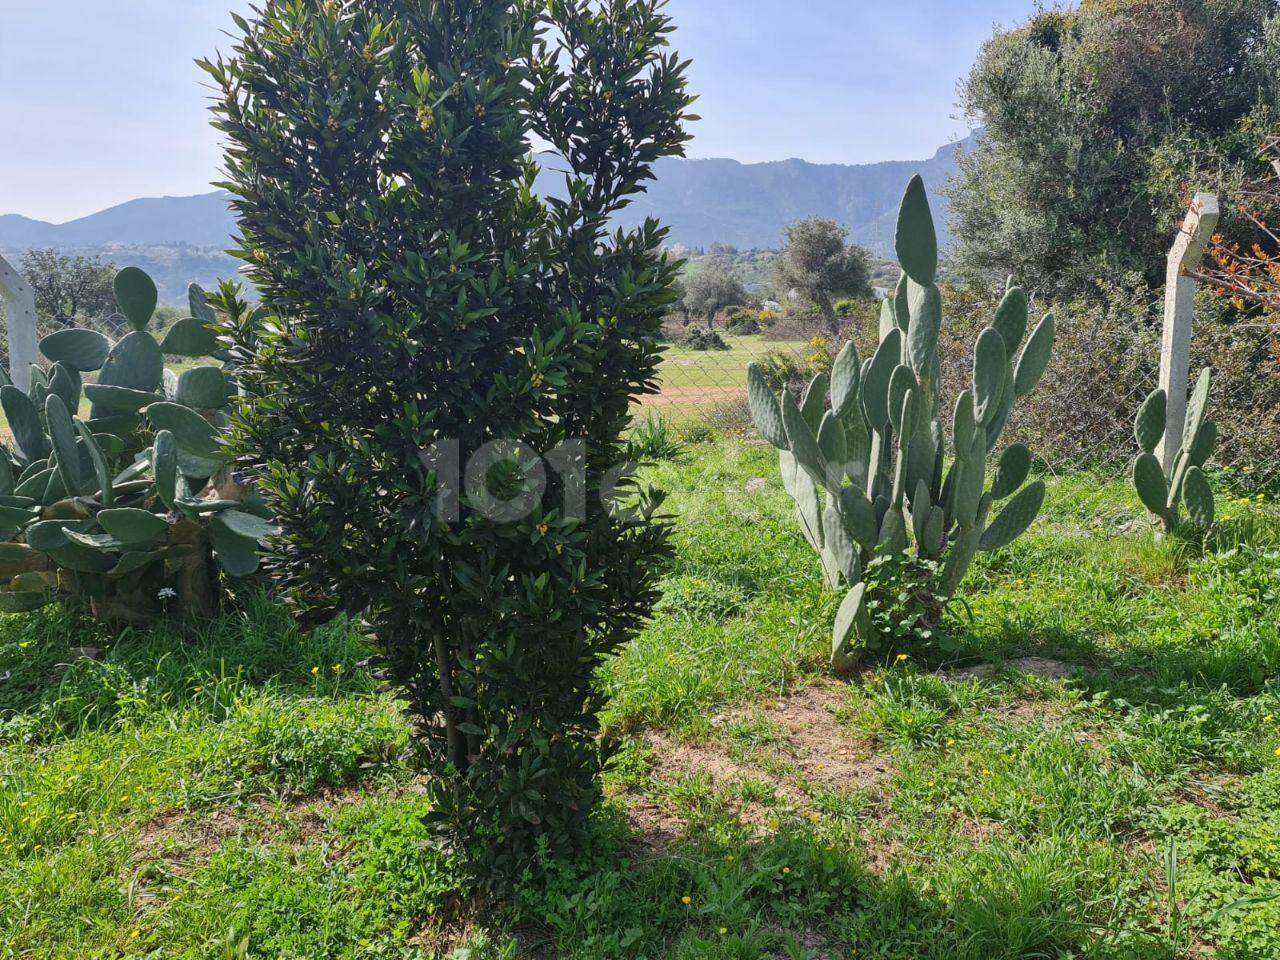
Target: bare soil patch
pixel 812 751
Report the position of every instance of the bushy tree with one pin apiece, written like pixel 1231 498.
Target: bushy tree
pixel 712 289
pixel 1100 121
pixel 424 303
pixel 69 289
pixel 820 265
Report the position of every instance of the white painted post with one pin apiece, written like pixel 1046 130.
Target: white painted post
pixel 1179 316
pixel 20 304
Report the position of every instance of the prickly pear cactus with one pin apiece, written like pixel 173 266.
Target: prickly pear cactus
pixel 863 452
pixel 1163 495
pixel 121 512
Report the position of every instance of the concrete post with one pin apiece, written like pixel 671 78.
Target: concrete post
pixel 1179 316
pixel 20 304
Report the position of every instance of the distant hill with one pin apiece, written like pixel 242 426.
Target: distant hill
pixel 747 205
pixel 181 239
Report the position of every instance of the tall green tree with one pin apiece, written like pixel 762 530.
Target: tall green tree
pixel 820 265
pixel 1100 121
pixel 69 288
pixel 712 289
pixel 436 399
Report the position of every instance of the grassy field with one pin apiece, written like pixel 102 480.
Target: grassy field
pixel 683 367
pixel 1094 771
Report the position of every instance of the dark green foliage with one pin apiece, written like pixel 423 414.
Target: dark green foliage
pixel 702 338
pixel 1100 120
pixel 457 307
pixel 712 289
pixel 819 264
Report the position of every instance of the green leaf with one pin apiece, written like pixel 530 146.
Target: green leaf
pixel 135 362
pixel 48 534
pixel 99 460
pixel 62 433
pixel 917 239
pixel 845 377
pixel 1149 480
pixel 24 602
pixel 134 560
pixel 1149 425
pixel 1017 515
pixel 990 361
pixel 1198 496
pixel 813 403
pixel 1011 319
pixel 133 526
pixel 169 483
pixel 1196 408
pixel 189 337
pixel 764 408
pixel 137 296
pixel 1015 465
pixel 1035 358
pixel 237 555
pixel 119 399
pixel 245 524
pixel 80 349
pixel 17 517
pixel 202 388
pixel 852 623
pixel 24 421
pixel 803 443
pixel 201 308
pixel 192 432
pixel 875 384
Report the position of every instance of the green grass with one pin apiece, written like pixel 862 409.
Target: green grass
pixel 683 367
pixel 246 790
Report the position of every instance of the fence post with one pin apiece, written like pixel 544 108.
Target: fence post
pixel 20 304
pixel 1179 316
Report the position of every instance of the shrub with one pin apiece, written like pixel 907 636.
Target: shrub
pixel 423 304
pixel 740 320
pixel 125 544
pixel 1107 362
pixel 652 440
pixel 701 338
pixel 782 369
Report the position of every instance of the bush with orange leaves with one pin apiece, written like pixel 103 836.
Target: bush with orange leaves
pixel 1249 273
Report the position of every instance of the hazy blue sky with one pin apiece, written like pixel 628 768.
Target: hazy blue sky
pixel 100 102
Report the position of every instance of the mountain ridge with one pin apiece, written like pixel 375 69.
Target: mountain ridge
pixel 701 201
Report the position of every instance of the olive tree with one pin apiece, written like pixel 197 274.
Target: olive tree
pixel 819 264
pixel 436 397
pixel 712 289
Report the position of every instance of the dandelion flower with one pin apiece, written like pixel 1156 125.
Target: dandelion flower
pixel 686 899
pixel 786 871
pixel 773 823
pixel 903 657
pixel 723 931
